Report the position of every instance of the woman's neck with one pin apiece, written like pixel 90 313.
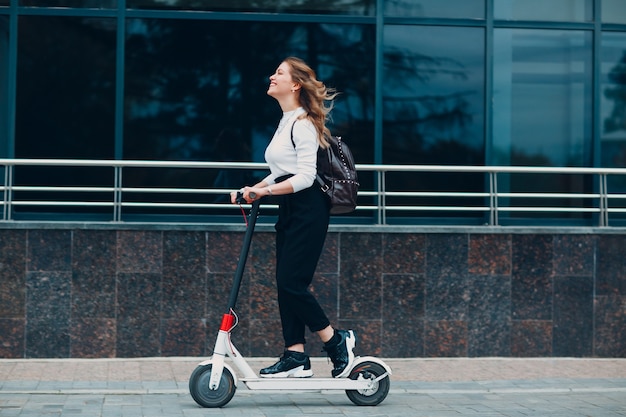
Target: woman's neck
pixel 289 104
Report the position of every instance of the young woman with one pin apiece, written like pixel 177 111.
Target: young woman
pixel 303 217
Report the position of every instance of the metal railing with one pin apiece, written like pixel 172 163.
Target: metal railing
pixel 383 200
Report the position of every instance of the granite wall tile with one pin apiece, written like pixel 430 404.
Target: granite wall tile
pixel 93 274
pixel 360 285
pixel 404 253
pixel 533 254
pixel 610 326
pixel 490 255
pixel 445 338
pixel 403 315
pixel 532 289
pixel 93 295
pixel 264 338
pixel 574 255
pixel 47 338
pixel 180 337
pixel 184 296
pixel 446 277
pixel 93 338
pixel 184 253
pixel 137 337
pixel 12 274
pixel 223 250
pixel 403 339
pixel 403 297
pixel 12 338
pixel 139 251
pixel 531 338
pixel 94 251
pixel 138 315
pixel 489 323
pixel 573 316
pixel 48 314
pixel 49 250
pixel 184 275
pixel 611 265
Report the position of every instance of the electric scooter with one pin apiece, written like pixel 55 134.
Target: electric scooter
pixel 213 382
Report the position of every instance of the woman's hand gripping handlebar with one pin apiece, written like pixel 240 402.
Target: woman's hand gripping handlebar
pixel 243 196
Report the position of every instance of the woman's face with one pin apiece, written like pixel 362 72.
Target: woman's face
pixel 280 82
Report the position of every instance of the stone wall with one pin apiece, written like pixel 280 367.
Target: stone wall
pixel 95 293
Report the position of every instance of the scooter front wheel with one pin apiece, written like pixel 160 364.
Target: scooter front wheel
pixel 379 390
pixel 205 396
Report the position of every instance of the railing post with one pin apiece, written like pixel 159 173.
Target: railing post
pixel 604 201
pixel 493 198
pixel 8 192
pixel 380 200
pixel 117 194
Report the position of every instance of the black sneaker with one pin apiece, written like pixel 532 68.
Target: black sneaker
pixel 341 354
pixel 293 364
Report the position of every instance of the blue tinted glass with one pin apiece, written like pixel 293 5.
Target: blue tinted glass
pixel 357 7
pixel 614 11
pixel 85 4
pixel 613 99
pixel 542 97
pixel 551 10
pixel 66 93
pixel 433 95
pixel 4 86
pixel 465 9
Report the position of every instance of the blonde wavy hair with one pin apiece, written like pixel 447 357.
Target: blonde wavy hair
pixel 315 97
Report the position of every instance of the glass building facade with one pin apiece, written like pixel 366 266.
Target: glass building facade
pixel 448 82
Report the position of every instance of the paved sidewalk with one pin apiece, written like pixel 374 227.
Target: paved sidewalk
pixel 419 387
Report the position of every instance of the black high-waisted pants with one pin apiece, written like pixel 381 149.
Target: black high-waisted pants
pixel 301 228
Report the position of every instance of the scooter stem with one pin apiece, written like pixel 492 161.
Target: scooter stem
pixel 234 292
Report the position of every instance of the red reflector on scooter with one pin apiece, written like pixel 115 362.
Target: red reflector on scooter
pixel 227 322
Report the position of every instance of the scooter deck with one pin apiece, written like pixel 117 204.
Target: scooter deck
pixel 313 384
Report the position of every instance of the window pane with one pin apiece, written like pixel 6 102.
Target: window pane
pixel 65 94
pixel 206 102
pixel 357 7
pixel 613 11
pixel 433 109
pixel 553 10
pixel 542 109
pixel 4 86
pixel 542 97
pixel 464 9
pixel 613 99
pixel 433 95
pixel 91 4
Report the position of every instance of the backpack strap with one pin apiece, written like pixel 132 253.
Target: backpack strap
pixel 325 187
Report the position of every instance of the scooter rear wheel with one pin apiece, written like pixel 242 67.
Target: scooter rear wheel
pixel 380 389
pixel 206 397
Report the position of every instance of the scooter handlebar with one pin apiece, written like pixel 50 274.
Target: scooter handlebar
pixel 239 198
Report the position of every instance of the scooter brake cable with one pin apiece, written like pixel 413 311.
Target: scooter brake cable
pixel 243 213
